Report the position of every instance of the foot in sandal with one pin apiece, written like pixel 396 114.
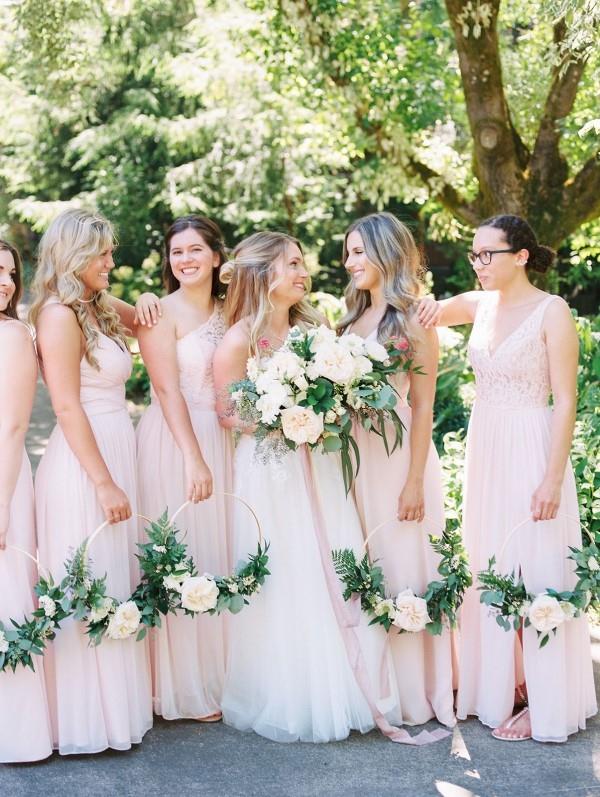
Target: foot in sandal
pixel 514 729
pixel 216 717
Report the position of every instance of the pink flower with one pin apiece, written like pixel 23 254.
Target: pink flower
pixel 401 344
pixel 263 343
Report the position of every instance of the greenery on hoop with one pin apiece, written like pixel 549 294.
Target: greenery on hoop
pixel 169 583
pixel 20 643
pixel 507 596
pixel 434 610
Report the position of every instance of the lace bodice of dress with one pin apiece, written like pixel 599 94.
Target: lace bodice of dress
pixel 516 374
pixel 195 353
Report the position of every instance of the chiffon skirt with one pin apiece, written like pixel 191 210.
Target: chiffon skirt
pixel 422 663
pixel 25 728
pixel 100 696
pixel 507 452
pixel 288 676
pixel 188 653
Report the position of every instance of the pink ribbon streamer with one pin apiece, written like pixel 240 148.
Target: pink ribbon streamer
pixel 348 616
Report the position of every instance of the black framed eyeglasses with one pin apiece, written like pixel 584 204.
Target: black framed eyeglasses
pixel 485 256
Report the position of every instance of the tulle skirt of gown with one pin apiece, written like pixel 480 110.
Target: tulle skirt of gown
pixel 422 662
pixel 507 452
pixel 100 696
pixel 25 727
pixel 288 676
pixel 188 653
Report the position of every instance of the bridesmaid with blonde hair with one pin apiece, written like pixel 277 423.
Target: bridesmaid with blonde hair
pixel 184 455
pixel 25 730
pixel 382 297
pixel 99 696
pixel 520 499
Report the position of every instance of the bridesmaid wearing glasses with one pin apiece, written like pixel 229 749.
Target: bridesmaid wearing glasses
pixel 520 501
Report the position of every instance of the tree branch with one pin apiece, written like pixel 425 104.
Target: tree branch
pixel 581 197
pixel 548 168
pixel 468 212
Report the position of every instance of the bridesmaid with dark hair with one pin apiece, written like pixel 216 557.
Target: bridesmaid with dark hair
pixel 184 455
pixel 26 736
pixel 520 502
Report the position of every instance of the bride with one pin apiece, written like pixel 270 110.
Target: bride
pixel 289 675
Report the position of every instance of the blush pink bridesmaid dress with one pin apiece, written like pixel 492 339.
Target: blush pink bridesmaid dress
pixel 422 662
pixel 188 653
pixel 25 730
pixel 99 697
pixel 508 446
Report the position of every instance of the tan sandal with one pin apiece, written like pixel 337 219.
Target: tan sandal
pixel 217 717
pixel 506 726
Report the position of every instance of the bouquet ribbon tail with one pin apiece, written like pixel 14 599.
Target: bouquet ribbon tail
pixel 345 617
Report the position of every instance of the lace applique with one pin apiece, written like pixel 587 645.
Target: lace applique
pixel 517 373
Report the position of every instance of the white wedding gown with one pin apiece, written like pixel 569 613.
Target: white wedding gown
pixel 288 673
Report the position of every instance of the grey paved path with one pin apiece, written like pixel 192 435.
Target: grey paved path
pixel 185 758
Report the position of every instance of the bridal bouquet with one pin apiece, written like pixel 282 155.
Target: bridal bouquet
pixel 310 390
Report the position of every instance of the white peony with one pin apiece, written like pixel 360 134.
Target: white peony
pixel 301 424
pixel 593 563
pixel 159 548
pixel 47 604
pixel 362 366
pixel 354 343
pixel 411 612
pixel 3 643
pixel 125 621
pixel 545 613
pixel 287 365
pixel 269 405
pixel 334 362
pixel 266 381
pixel 376 351
pixel 321 335
pixel 99 613
pixel 199 594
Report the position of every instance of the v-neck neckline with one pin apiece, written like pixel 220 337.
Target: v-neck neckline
pixel 492 354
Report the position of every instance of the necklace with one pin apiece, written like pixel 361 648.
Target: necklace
pixel 86 301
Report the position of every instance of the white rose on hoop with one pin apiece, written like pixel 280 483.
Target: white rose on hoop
pixel 3 643
pixel 301 424
pixel 545 613
pixel 175 580
pixel 411 612
pixel 125 621
pixel 199 594
pixel 99 612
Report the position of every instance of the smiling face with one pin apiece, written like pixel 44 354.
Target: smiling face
pixel 504 267
pixel 96 275
pixel 291 276
pixel 365 276
pixel 191 259
pixel 7 278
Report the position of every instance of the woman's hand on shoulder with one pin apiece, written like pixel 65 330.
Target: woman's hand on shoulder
pixel 148 310
pixel 429 312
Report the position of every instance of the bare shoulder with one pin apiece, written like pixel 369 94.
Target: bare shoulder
pixel 558 309
pixel 16 335
pixel 418 334
pixel 236 337
pixel 55 314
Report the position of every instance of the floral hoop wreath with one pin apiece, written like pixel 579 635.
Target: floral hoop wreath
pixel 513 606
pixel 169 583
pixel 19 643
pixel 433 611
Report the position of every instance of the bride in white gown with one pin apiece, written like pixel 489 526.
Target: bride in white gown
pixel 288 675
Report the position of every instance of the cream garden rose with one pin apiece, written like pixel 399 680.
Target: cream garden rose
pixel 545 613
pixel 334 362
pixel 125 621
pixel 411 612
pixel 301 424
pixel 199 594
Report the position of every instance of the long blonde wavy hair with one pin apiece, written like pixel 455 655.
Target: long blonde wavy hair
pixel 391 249
pixel 251 279
pixel 73 239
